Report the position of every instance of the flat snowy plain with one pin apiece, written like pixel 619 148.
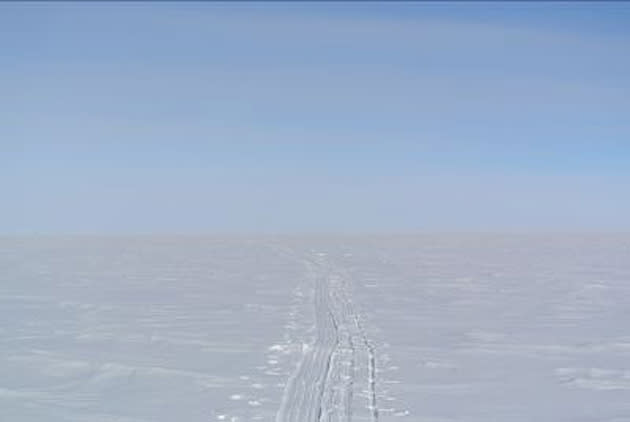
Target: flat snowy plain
pixel 434 328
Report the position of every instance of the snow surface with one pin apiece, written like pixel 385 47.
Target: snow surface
pixel 286 329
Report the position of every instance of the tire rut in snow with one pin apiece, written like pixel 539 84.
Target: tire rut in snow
pixel 321 388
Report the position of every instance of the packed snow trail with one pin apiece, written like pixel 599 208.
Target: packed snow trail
pixel 321 389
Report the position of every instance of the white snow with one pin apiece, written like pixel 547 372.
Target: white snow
pixel 470 328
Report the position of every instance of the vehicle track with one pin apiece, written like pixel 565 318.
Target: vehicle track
pixel 322 386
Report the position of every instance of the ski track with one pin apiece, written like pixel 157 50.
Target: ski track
pixel 321 388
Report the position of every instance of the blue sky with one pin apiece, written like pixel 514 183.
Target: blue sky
pixel 317 117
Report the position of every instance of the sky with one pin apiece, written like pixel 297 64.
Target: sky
pixel 157 117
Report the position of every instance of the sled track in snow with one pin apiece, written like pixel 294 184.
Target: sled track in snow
pixel 321 388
